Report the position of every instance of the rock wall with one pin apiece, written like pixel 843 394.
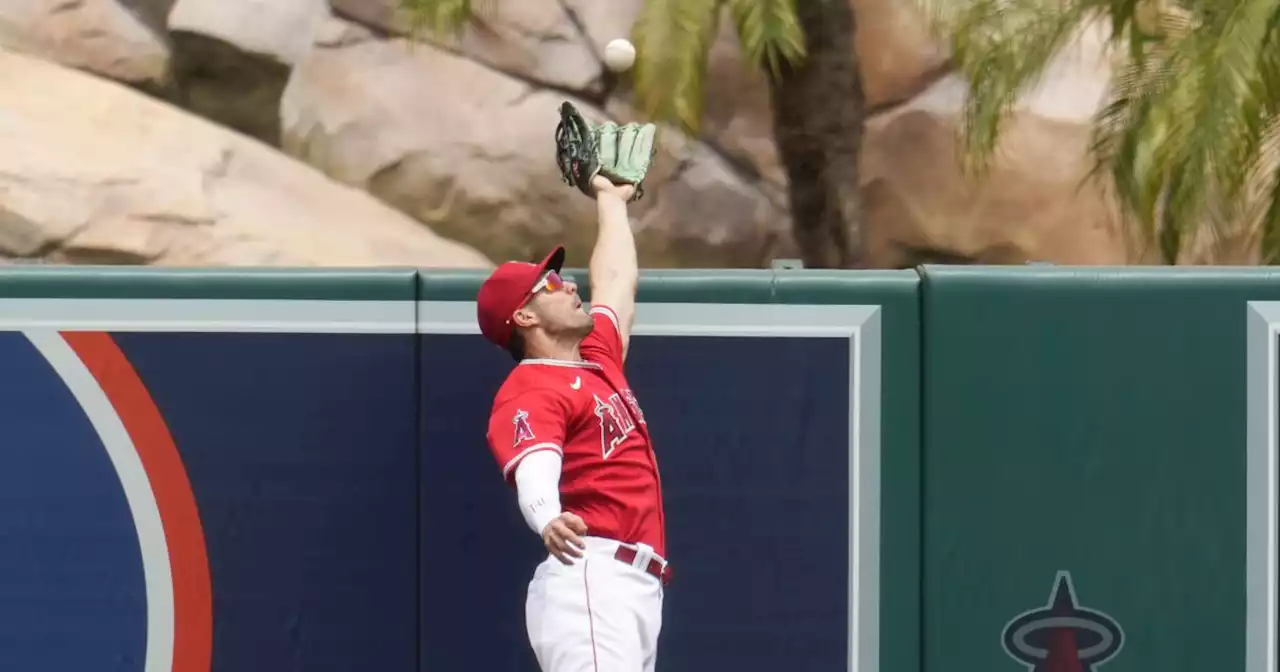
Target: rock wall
pixel 94 173
pixel 457 135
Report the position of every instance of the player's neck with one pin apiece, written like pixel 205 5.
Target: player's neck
pixel 564 351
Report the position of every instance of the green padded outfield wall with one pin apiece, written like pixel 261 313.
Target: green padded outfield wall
pixel 1099 452
pixel 1103 436
pixel 237 469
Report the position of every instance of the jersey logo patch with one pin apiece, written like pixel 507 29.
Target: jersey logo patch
pixel 615 423
pixel 523 431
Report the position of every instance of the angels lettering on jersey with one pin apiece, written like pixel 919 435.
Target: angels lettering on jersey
pixel 616 420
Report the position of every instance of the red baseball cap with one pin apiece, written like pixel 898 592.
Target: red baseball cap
pixel 505 290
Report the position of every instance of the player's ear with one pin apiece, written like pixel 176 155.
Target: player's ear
pixel 524 317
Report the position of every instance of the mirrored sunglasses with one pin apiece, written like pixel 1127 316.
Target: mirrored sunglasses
pixel 551 282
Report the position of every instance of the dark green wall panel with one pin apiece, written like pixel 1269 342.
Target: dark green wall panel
pixel 900 428
pixel 1092 421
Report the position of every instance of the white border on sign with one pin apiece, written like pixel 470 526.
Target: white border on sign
pixel 860 325
pixel 153 547
pixel 208 315
pixel 1263 331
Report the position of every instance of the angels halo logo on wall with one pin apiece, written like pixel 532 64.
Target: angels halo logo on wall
pixel 1062 636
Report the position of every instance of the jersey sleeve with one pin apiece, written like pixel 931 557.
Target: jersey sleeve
pixel 525 424
pixel 605 341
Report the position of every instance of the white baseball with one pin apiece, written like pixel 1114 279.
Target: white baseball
pixel 619 55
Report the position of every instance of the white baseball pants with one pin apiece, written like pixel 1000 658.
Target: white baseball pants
pixel 597 615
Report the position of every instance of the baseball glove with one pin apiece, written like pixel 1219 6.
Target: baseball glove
pixel 623 153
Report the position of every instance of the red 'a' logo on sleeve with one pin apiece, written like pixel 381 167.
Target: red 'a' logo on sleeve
pixel 523 431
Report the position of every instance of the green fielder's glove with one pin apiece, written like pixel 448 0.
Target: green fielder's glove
pixel 626 152
pixel 623 153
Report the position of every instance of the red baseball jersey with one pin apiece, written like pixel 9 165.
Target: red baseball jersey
pixel 586 412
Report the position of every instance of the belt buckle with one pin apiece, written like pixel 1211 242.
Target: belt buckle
pixel 644 555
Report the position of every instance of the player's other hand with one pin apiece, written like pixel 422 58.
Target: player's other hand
pixel 604 185
pixel 563 537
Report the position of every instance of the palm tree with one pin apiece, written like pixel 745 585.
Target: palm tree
pixel 804 47
pixel 1190 134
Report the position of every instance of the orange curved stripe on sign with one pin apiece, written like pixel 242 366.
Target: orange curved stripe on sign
pixel 184 535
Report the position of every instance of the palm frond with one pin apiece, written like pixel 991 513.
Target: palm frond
pixel 442 19
pixel 1203 131
pixel 1189 131
pixel 769 32
pixel 673 41
pixel 1267 173
pixel 1130 128
pixel 1266 202
pixel 1002 48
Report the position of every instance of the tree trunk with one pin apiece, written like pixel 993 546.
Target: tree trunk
pixel 817 115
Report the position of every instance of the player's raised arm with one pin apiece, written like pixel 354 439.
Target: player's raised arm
pixel 613 268
pixel 608 162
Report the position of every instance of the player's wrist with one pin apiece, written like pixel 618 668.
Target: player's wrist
pixel 542 520
pixel 614 196
pixel 611 193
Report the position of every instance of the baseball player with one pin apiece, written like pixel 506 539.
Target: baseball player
pixel 570 437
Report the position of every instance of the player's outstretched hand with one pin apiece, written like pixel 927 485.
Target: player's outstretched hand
pixel 562 537
pixel 604 185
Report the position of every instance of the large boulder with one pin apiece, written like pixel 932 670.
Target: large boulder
pixel 104 37
pixel 155 13
pixel 232 58
pixel 93 172
pixel 1035 203
pixel 457 133
pixel 552 43
pixel 469 150
pixel 897 55
pixel 920 206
